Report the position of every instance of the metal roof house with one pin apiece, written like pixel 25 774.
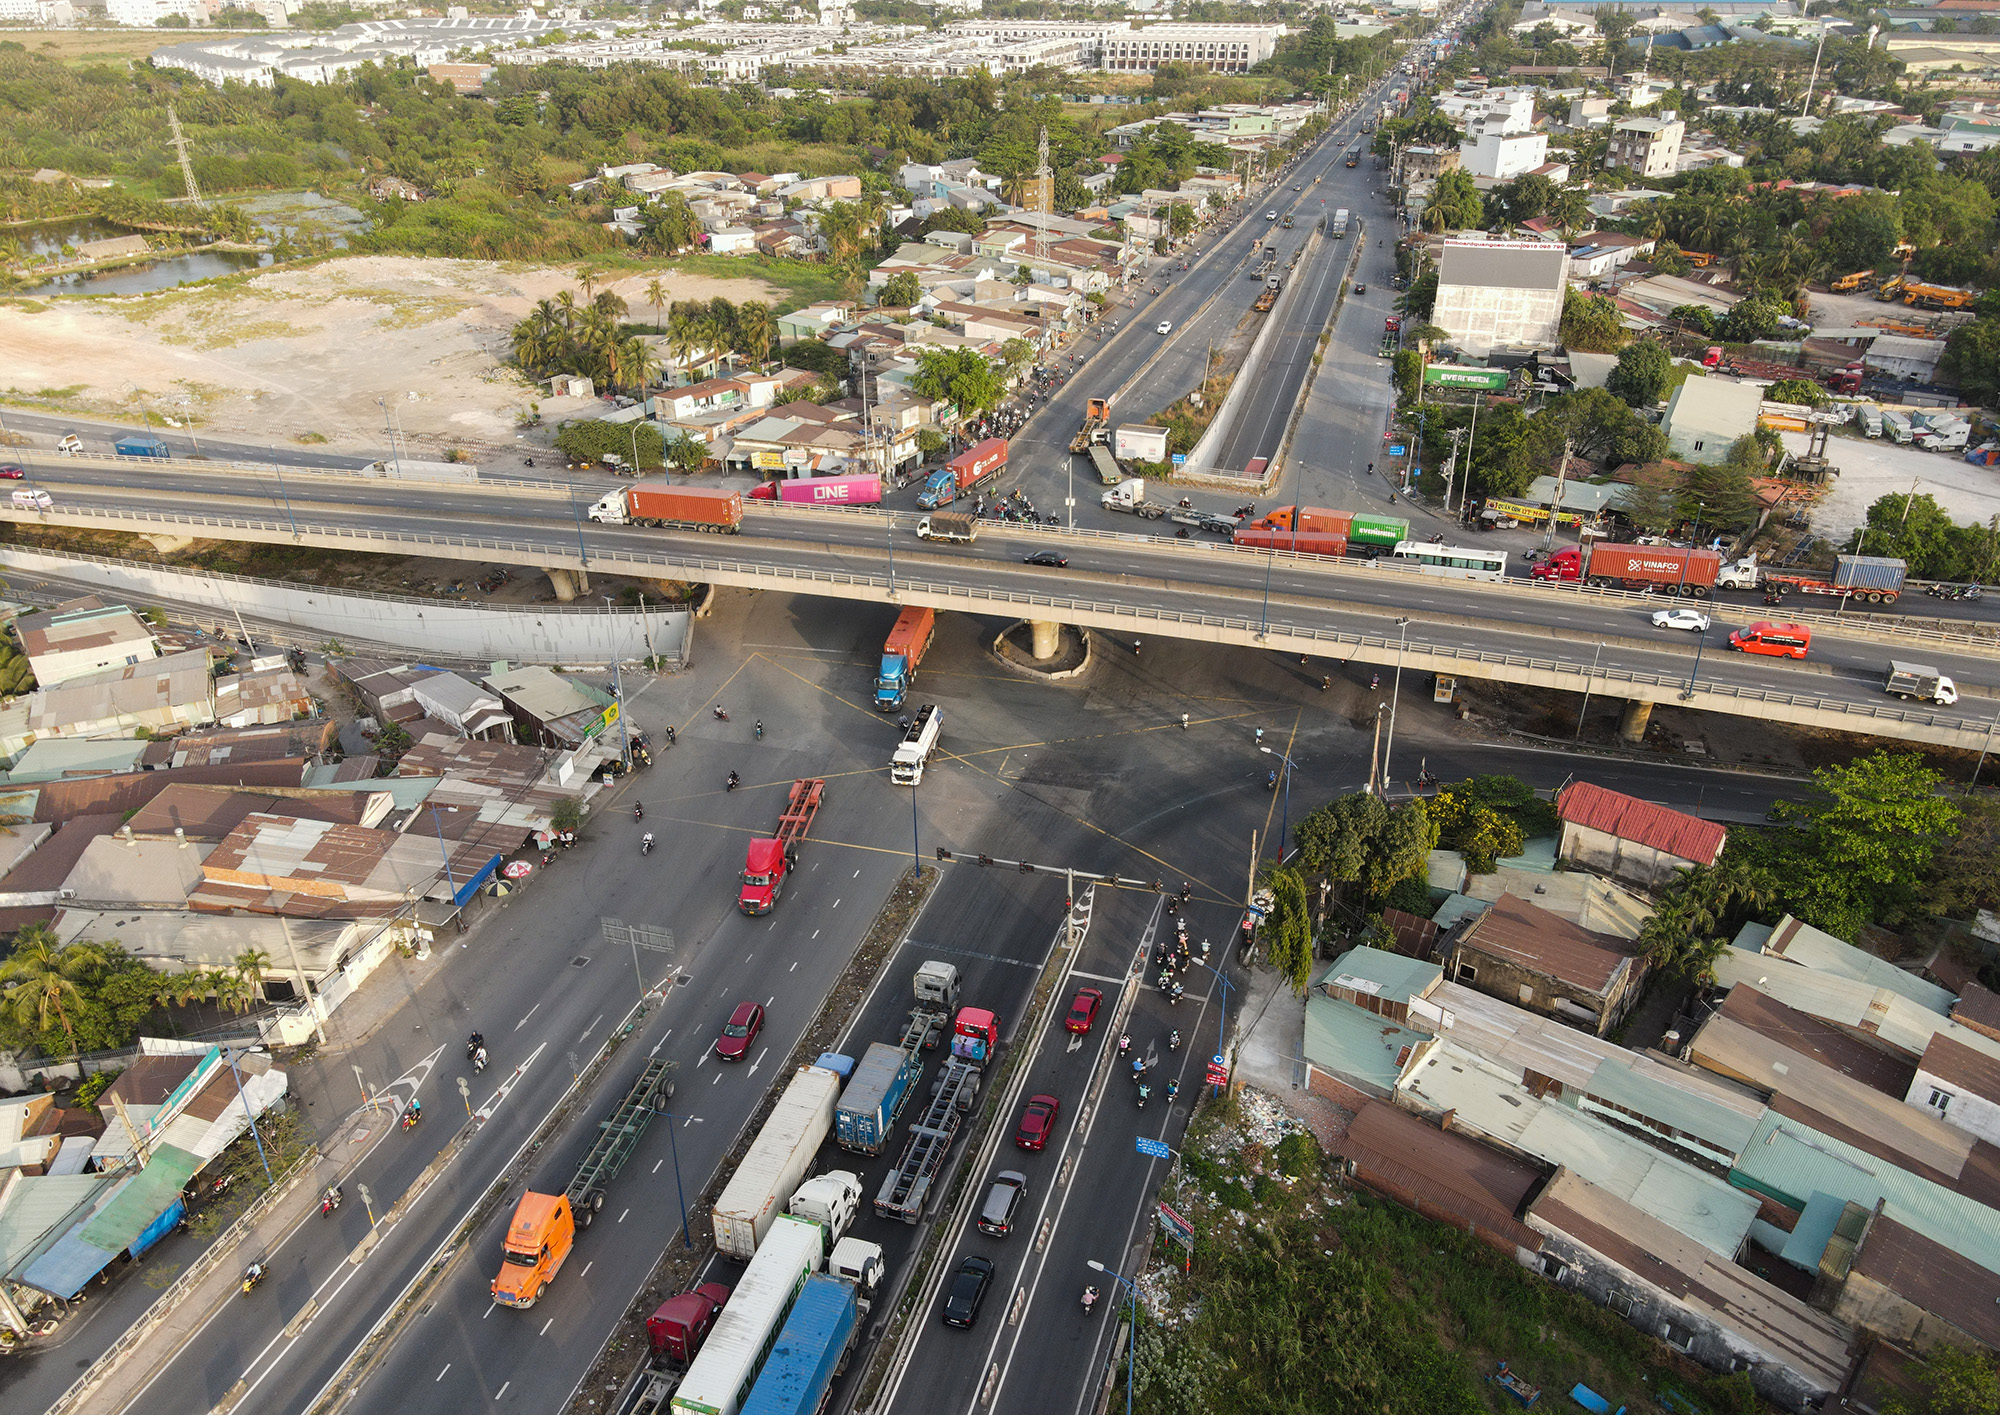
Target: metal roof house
pixel 1959 1086
pixel 1627 838
pixel 1759 1041
pixel 83 636
pixel 1440 1175
pixel 1530 956
pixel 1801 943
pixel 1357 1032
pixel 1880 1015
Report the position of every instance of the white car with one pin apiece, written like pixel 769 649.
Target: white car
pixel 1271 215
pixel 1166 327
pixel 1690 619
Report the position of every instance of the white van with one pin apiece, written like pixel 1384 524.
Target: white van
pixel 34 499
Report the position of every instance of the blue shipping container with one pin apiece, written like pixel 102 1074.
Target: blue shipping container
pixel 1868 572
pixel 810 1352
pixel 142 447
pixel 875 1097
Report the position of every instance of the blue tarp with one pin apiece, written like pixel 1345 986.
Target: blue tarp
pixel 471 886
pixel 159 1228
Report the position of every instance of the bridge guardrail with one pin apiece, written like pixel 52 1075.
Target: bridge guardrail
pixel 1058 605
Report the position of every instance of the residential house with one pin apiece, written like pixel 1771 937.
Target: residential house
pixel 1650 147
pixel 1520 953
pixel 1797 942
pixel 1589 111
pixel 1884 1277
pixel 1443 1176
pixel 1630 839
pixel 1358 1029
pixel 162 695
pixel 552 709
pixel 81 637
pixel 471 710
pixel 1427 164
pixel 1705 416
pixel 326 869
pixel 269 694
pixel 1757 1040
pixel 1960 1085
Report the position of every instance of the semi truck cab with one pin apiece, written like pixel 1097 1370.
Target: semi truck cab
pixel 765 866
pixel 975 1036
pixel 539 1237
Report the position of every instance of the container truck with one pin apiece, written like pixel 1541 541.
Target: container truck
pixel 1384 531
pixel 1915 682
pixel 1130 495
pixel 909 640
pixel 1294 542
pixel 935 988
pixel 776 1162
pixel 948 525
pixel 687 508
pixel 1106 466
pixel 1950 437
pixel 908 1186
pixel 1340 220
pixel 1868 579
pixel 974 465
pixel 142 447
pixel 543 1229
pixel 975 1036
pixel 822 491
pixel 830 1200
pixel 874 1099
pixel 1264 301
pixel 1096 419
pixel 812 1348
pixel 677 1330
pixel 1693 573
pixel 769 862
pixel 733 1355
pixel 913 753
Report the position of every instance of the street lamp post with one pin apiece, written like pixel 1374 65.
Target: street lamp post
pixel 262 1158
pixel 1700 638
pixel 1285 824
pixel 279 472
pixel 1395 692
pixel 618 691
pixel 1222 1028
pixel 674 1143
pixel 1132 1331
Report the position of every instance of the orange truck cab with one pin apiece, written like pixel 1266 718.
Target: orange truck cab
pixel 539 1237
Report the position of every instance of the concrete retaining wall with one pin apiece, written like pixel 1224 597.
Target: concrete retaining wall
pixel 543 634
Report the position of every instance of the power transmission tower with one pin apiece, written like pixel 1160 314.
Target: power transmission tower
pixel 181 151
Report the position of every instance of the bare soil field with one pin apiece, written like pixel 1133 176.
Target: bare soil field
pixel 305 354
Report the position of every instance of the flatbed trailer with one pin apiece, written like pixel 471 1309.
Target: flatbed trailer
pixel 908 1186
pixel 617 1136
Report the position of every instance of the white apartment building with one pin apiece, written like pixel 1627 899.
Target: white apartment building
pixel 1500 155
pixel 1512 109
pixel 144 14
pixel 1227 49
pixel 1649 146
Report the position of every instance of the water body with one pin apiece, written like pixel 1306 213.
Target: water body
pixel 153 275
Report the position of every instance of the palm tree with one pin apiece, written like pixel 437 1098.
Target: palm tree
pixel 636 362
pixel 39 980
pixel 566 309
pixel 610 304
pixel 656 296
pixel 252 964
pixel 754 328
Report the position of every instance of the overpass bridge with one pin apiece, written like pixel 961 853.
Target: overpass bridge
pixel 1130 586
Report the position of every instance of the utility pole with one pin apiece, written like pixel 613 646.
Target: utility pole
pixel 1044 194
pixel 1562 472
pixel 179 140
pixel 1457 436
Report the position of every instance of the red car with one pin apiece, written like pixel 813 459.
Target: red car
pixel 739 1031
pixel 1083 1011
pixel 11 472
pixel 1038 1122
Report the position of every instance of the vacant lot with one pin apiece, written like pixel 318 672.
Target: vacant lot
pixel 308 352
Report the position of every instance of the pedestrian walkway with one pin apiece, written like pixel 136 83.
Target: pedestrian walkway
pixel 117 1378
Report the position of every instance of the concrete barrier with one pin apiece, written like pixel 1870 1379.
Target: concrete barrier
pixel 544 633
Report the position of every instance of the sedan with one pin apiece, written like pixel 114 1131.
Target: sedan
pixel 1690 619
pixel 11 472
pixel 1083 1011
pixel 1166 327
pixel 1361 287
pixel 1271 215
pixel 1038 1122
pixel 967 1291
pixel 739 1031
pixel 1046 557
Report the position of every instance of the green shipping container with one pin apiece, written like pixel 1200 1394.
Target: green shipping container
pixel 1378 530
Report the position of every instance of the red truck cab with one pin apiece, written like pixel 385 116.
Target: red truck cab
pixel 1566 564
pixel 681 1325
pixel 765 866
pixel 975 1035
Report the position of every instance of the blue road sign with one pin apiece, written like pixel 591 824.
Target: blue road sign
pixel 1180 459
pixel 1397 449
pixel 1157 1149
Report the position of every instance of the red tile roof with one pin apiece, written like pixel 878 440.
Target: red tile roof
pixel 1641 822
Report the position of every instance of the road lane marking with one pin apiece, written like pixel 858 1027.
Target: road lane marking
pixel 584 1035
pixel 657 1164
pixel 621 1217
pixel 794 968
pixel 485 1112
pixel 524 1021
pixel 501 1394
pixel 447 1367
pixel 489 1311
pixel 757 1063
pixel 587 1267
pixel 545 1327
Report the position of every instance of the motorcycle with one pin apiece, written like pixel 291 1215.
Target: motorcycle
pixel 1138 1068
pixel 1173 1089
pixel 1124 1045
pixel 1089 1299
pixel 638 811
pixel 479 1060
pixel 734 782
pixel 1174 1040
pixel 1271 781
pixel 1144 1091
pixel 473 1044
pixel 253 1275
pixel 646 843
pixel 720 715
pixel 413 1114
pixel 329 1201
pixel 760 729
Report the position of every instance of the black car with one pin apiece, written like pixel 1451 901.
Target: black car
pixel 1046 557
pixel 967 1291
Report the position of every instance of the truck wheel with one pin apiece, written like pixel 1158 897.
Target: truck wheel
pixel 1698 591
pixel 583 1217
pixel 597 1201
pixel 540 1288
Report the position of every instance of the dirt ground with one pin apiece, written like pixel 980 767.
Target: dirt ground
pixel 1871 469
pixel 304 354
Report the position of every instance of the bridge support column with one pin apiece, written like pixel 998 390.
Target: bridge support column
pixel 565 582
pixel 1047 639
pixel 1632 726
pixel 167 544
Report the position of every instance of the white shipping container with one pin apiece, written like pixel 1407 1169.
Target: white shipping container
pixel 727 1366
pixel 1139 442
pixel 777 1161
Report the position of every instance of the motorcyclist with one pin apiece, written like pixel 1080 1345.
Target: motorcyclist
pixel 474 1043
pixel 1089 1298
pixel 734 781
pixel 1124 1045
pixel 646 843
pixel 638 811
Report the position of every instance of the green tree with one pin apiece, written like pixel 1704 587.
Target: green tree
pixel 1641 375
pixel 1869 833
pixel 1950 1380
pixel 1288 931
pixel 1753 319
pixel 1862 231
pixel 1454 205
pixel 1972 356
pixel 687 453
pixel 42 981
pixel 1800 391
pixel 964 377
pixel 1591 323
pixel 1698 319
pixel 591 440
pixel 902 290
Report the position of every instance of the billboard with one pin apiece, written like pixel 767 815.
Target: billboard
pixel 1491 380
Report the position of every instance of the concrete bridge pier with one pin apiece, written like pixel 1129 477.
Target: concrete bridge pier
pixel 1047 639
pixel 1632 726
pixel 167 544
pixel 569 584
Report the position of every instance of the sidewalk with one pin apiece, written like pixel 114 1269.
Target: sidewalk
pixel 178 1315
pixel 1269 1045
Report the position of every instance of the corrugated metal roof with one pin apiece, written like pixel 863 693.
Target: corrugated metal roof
pixel 1483 1099
pixel 52 758
pixel 1791 1161
pixel 1519 1040
pixel 1758 1040
pixel 1359 1047
pixel 1771 1320
pixel 1441 1174
pixel 151 1193
pixel 1376 973
pixel 1687 837
pixel 1519 933
pixel 1954 1061
pixel 1935 1276
pixel 93 795
pixel 1859 1007
pixel 34 1208
pixel 1808 947
pixel 1656 1092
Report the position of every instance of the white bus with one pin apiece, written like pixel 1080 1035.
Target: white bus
pixel 1455 562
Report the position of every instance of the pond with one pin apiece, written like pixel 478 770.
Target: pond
pixel 290 214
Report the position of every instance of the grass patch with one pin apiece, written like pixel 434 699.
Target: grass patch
pixel 1298 1286
pixel 81 48
pixel 794 283
pixel 311 438
pixel 1184 422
